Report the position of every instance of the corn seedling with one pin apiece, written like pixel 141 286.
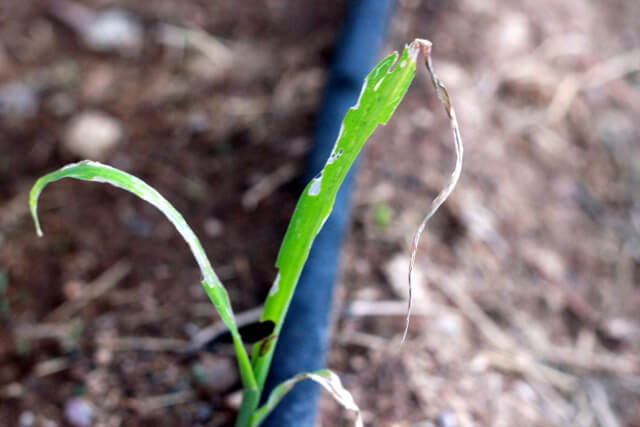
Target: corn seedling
pixel 382 91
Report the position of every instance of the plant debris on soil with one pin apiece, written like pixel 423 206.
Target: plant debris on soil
pixel 526 287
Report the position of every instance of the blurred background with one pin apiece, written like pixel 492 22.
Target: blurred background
pixel 527 295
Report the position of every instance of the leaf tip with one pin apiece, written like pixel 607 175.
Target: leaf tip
pixel 36 220
pixel 419 46
pixel 33 207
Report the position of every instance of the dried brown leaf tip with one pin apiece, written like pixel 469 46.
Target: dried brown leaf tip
pixel 423 47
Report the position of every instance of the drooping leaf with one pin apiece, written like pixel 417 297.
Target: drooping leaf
pixel 97 172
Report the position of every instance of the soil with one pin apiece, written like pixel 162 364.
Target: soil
pixel 527 294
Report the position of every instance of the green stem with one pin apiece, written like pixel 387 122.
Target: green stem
pixel 246 372
pixel 250 400
pixel 289 281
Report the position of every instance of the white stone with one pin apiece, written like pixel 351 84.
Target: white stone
pixel 113 29
pixel 397 271
pixel 78 412
pixel 26 419
pixel 93 135
pixel 18 100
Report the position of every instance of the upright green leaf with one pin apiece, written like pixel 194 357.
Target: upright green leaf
pixel 382 91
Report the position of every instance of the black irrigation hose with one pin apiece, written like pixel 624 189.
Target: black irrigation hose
pixel 303 341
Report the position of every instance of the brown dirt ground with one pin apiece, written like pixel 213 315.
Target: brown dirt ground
pixel 527 296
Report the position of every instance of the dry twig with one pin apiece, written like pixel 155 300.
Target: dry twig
pixel 213 331
pixel 143 343
pixel 106 281
pixel 598 75
pixel 198 39
pixel 267 185
pixel 364 308
pixel 51 366
pixel 153 403
pixel 601 406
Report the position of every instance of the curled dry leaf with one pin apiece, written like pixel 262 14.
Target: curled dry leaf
pixel 417 47
pixel 326 378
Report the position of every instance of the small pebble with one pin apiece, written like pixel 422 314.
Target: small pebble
pixel 26 419
pixel 78 412
pixel 524 391
pixel 114 29
pixel 396 272
pixel 18 100
pixel 446 419
pixel 93 135
pixel 234 400
pixel 213 227
pixel 450 324
pixel 216 374
pixel 204 412
pixel 191 329
pixel 197 121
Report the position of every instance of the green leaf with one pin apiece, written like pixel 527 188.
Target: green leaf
pixel 382 91
pixel 326 378
pixel 97 172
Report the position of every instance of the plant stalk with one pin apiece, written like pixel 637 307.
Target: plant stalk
pixel 250 400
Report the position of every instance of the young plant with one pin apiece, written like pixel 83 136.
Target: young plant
pixel 382 91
